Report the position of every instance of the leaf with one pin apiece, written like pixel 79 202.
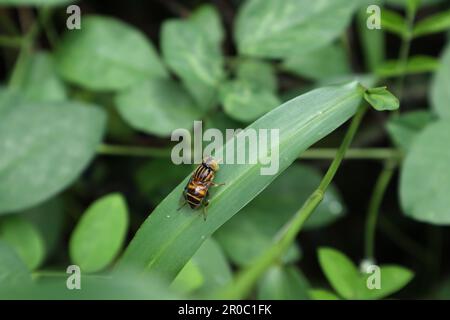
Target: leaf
pixel 34 2
pixel 320 294
pixel 24 238
pixel 194 58
pixel 439 22
pixel 169 238
pixel 425 178
pixel 394 23
pixel 340 272
pixel 213 266
pixel 189 278
pixel 381 99
pixel 283 283
pixel 329 61
pixel 247 235
pixel 404 129
pixel 372 41
pixel 207 19
pixel 48 218
pixel 59 142
pixel 423 3
pixel 107 54
pixel 245 102
pixel 100 233
pixel 257 73
pixel 440 94
pixel 393 278
pixel 41 83
pixel 13 272
pixel 416 64
pixel 157 106
pixel 277 29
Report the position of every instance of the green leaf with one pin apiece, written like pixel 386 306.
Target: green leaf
pixel 372 41
pixel 247 235
pixel 169 238
pixel 414 65
pixel 41 83
pixel 381 99
pixel 13 272
pixel 207 19
pixel 245 102
pixel 439 22
pixel 403 3
pixel 58 143
pixel 340 272
pixel 257 73
pixel 194 58
pixel 107 54
pixel 213 266
pixel 278 29
pixel 189 278
pixel 320 294
pixel 394 23
pixel 283 283
pixel 48 218
pixel 392 279
pixel 100 233
pixel 425 178
pixel 157 106
pixel 329 61
pixel 404 129
pixel 26 240
pixel 440 93
pixel 34 2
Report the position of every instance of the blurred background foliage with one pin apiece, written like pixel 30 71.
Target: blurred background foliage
pixel 86 117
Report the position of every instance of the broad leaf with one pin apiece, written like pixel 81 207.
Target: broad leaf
pixel 194 58
pixel 340 272
pixel 13 272
pixel 157 106
pixel 44 148
pixel 100 233
pixel 245 102
pixel 440 93
pixel 414 65
pixel 257 73
pixel 107 54
pixel 169 238
pixel 392 279
pixel 278 29
pixel 381 99
pixel 403 129
pixel 283 283
pixel 437 23
pixel 26 240
pixel 425 178
pixel 329 61
pixel 320 294
pixel 394 23
pixel 207 19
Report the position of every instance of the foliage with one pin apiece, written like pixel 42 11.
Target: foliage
pixel 86 178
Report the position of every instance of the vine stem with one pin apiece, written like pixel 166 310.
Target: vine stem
pixel 313 153
pixel 374 207
pixel 241 286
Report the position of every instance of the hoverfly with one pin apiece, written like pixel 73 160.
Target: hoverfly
pixel 196 191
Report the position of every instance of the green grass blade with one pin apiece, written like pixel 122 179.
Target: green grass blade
pixel 169 238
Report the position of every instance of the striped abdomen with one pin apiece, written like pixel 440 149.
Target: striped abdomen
pixel 195 192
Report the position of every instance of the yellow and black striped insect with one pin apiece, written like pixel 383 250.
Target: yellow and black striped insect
pixel 196 192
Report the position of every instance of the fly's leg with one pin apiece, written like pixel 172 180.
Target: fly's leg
pixel 182 200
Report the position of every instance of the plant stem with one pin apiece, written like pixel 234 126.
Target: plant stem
pixel 374 207
pixel 405 49
pixel 11 41
pixel 241 286
pixel 314 153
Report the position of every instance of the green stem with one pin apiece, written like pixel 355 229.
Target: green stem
pixel 241 286
pixel 405 49
pixel 374 207
pixel 11 41
pixel 19 70
pixel 314 153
